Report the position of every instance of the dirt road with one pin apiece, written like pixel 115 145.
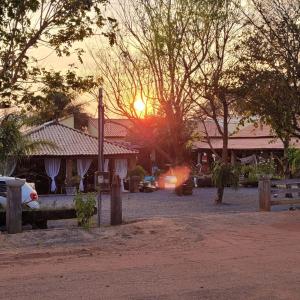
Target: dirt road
pixel 212 256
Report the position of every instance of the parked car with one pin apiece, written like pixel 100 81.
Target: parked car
pixel 148 185
pixel 29 194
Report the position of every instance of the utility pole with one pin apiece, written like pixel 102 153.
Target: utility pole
pixel 100 148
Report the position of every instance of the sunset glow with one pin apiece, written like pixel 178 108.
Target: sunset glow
pixel 139 105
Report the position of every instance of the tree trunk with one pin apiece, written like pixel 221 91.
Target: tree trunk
pixel 219 197
pixel 286 165
pixel 220 191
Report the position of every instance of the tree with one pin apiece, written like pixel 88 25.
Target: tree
pixel 214 88
pixel 159 49
pixel 28 24
pixel 57 95
pixel 269 67
pixel 13 144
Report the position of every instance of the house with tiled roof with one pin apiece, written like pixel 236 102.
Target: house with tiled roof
pixel 119 130
pixel 65 152
pixel 250 140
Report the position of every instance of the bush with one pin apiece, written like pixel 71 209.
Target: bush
pixel 294 161
pixel 137 171
pixel 85 209
pixel 225 175
pixel 266 168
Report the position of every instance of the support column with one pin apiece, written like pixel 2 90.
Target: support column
pixel 69 169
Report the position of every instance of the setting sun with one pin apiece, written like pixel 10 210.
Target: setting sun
pixel 139 105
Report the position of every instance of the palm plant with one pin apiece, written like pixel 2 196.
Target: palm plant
pixel 224 175
pixel 13 144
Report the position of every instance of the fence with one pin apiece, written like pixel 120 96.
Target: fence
pixel 278 192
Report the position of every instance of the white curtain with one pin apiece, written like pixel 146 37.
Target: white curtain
pixel 52 166
pixel 121 170
pixel 82 167
pixel 8 167
pixel 106 161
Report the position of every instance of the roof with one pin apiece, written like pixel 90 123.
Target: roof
pixel 253 131
pixel 250 137
pixel 208 128
pixel 72 142
pixel 113 127
pixel 258 143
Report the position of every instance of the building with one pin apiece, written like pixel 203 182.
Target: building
pixel 67 153
pixel 243 144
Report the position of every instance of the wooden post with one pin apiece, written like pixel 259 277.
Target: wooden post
pixel 116 202
pixel 100 149
pixel 69 169
pixel 289 195
pixel 264 189
pixel 14 205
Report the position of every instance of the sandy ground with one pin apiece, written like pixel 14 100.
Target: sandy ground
pixel 245 255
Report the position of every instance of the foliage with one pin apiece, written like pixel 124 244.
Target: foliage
pixel 294 160
pixel 224 175
pixel 152 63
pixel 13 144
pixel 73 181
pixel 57 95
pixel 252 173
pixel 85 208
pixel 266 168
pixel 25 25
pixel 137 171
pixel 269 66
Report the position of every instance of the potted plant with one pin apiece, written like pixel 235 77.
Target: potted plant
pixel 186 188
pixel 135 176
pixel 71 185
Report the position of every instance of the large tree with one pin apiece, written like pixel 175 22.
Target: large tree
pixel 159 49
pixel 214 87
pixel 270 68
pixel 28 24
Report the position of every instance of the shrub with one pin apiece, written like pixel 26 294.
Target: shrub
pixel 294 160
pixel 225 175
pixel 85 209
pixel 266 168
pixel 137 171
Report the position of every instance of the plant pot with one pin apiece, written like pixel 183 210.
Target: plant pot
pixel 134 184
pixel 71 190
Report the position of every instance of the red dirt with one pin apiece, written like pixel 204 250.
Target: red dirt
pixel 213 256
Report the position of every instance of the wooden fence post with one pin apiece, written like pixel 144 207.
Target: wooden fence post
pixel 264 189
pixel 14 205
pixel 116 202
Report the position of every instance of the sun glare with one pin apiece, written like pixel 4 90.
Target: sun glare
pixel 139 105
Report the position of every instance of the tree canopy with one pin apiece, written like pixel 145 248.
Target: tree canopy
pixel 54 24
pixel 270 66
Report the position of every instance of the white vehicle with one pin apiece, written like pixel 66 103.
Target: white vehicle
pixel 29 194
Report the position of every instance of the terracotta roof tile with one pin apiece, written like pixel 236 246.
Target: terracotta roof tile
pixel 71 142
pixel 209 128
pixel 259 143
pixel 261 130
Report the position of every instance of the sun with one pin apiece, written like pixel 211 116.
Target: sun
pixel 139 105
